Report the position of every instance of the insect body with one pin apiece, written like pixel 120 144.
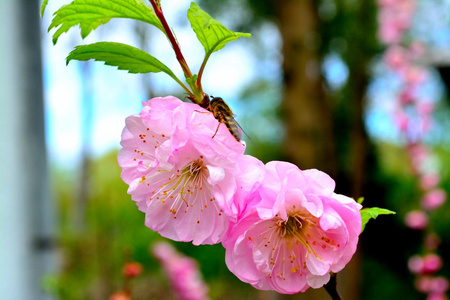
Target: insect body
pixel 224 115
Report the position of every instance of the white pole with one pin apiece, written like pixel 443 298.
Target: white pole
pixel 26 216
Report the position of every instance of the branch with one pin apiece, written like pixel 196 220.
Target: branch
pixel 159 13
pixel 331 288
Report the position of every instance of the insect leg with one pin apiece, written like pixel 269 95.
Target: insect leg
pixel 217 129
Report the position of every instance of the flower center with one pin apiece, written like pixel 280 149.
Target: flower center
pixel 290 227
pixel 188 180
pixel 184 190
pixel 293 230
pixel 192 177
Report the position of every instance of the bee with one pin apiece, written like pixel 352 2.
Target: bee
pixel 224 115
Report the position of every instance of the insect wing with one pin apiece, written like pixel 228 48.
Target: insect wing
pixel 234 127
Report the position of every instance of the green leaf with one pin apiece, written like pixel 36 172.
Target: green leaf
pixel 360 200
pixel 90 14
pixel 123 56
pixel 191 81
pixel 43 6
pixel 372 213
pixel 212 34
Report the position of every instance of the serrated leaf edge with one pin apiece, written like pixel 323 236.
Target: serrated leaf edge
pixel 62 12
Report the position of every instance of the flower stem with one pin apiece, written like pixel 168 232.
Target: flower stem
pixel 159 13
pixel 200 72
pixel 331 288
pixel 196 93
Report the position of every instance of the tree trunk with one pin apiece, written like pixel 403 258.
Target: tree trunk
pixel 309 141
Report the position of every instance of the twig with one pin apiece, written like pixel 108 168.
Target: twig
pixel 159 13
pixel 331 288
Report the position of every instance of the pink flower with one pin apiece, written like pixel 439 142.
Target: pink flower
pixel 439 285
pixel 389 32
pixel 395 57
pixel 425 108
pixel 428 284
pixel 416 219
pixel 179 175
pixel 419 155
pixel 414 75
pixel 296 232
pixel 415 264
pixel 394 19
pixel 437 296
pixel 182 272
pixel 402 119
pixel 429 264
pixel 407 96
pixel 429 181
pixel 423 284
pixel 433 199
pixel 416 49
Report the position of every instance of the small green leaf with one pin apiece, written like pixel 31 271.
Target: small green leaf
pixel 43 6
pixel 212 34
pixel 373 213
pixel 90 14
pixel 123 56
pixel 191 81
pixel 360 200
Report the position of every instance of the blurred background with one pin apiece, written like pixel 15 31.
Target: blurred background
pixel 313 86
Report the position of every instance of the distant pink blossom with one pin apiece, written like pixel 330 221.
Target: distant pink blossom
pixel 386 2
pixel 295 234
pixel 425 108
pixel 390 33
pixel 414 75
pixel 439 285
pixel 402 119
pixel 431 263
pixel 182 271
pixel 429 181
pixel 429 284
pixel 407 96
pixel 415 264
pixel 424 284
pixel 437 296
pixel 416 49
pixel 419 154
pixel 416 219
pixel 433 199
pixel 396 57
pixel 179 175
pixel 425 125
pixel 394 19
pixel 428 264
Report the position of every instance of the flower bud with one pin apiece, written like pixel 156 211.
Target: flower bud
pixel 132 269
